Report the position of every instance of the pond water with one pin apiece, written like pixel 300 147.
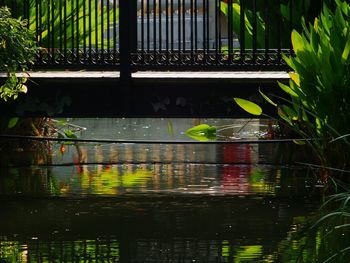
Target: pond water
pixel 177 200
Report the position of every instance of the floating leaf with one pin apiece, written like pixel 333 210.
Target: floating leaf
pixel 70 134
pixel 202 132
pixel 12 122
pixel 249 106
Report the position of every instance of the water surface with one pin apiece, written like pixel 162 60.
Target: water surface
pixel 152 202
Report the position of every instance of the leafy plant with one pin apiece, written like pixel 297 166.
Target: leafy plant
pixel 17 51
pixel 318 105
pixel 277 21
pixel 69 23
pixel 325 237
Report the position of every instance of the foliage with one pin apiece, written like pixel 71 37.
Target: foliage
pixel 273 23
pixel 202 132
pixel 325 238
pixel 17 51
pixel 67 24
pixel 319 91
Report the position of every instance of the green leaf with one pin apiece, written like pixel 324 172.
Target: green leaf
pixel 249 106
pixel 297 42
pixel 290 112
pixel 267 98
pixel 202 132
pixel 346 51
pixel 299 142
pixel 12 122
pixel 287 89
pixel 70 134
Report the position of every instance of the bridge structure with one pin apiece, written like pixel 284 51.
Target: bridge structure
pixel 166 52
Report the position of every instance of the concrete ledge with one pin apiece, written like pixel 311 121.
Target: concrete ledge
pixel 149 75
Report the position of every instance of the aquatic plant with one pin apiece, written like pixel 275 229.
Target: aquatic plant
pixel 317 103
pixel 324 238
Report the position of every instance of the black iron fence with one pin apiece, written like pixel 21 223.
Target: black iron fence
pixel 163 34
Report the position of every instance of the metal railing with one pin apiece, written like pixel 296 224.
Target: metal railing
pixel 133 35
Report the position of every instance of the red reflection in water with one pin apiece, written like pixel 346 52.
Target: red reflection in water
pixel 237 172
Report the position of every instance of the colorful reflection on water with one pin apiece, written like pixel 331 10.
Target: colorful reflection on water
pixel 150 202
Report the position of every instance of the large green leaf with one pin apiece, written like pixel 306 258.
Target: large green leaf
pixel 297 42
pixel 249 106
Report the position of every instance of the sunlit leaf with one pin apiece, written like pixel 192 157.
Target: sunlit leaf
pixel 202 132
pixel 70 134
pixel 297 42
pixel 346 51
pixel 295 77
pixel 249 106
pixel 267 98
pixel 287 89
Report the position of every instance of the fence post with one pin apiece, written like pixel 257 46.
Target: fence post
pixel 127 36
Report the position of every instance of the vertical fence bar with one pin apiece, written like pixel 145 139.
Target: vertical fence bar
pixel 184 25
pixel 84 30
pixel 179 29
pixel 90 31
pixel 48 24
pixel 102 7
pixel 148 27
pixel 219 31
pixel 14 8
pixel 242 31
pixel 142 31
pixel 108 33
pixel 196 27
pixel 26 11
pixel 255 33
pixel 72 34
pixel 53 38
pixel 204 29
pixel 77 11
pixel 160 24
pixel 208 26
pixel 216 31
pixel 267 32
pixel 172 26
pixel 65 40
pixel 167 30
pixel 96 33
pixel 279 35
pixel 154 31
pixel 192 32
pixel 229 30
pixel 115 30
pixel 127 30
pixel 291 25
pixel 60 30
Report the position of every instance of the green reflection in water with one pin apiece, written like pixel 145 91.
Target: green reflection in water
pixel 324 238
pixel 60 251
